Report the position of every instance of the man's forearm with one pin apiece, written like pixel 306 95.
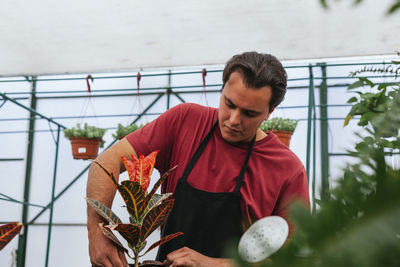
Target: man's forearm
pixel 99 185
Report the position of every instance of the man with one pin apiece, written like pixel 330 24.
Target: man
pixel 229 173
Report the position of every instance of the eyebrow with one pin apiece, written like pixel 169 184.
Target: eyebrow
pixel 245 110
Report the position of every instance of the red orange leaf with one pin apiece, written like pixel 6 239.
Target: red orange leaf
pixel 129 166
pixel 8 232
pixel 140 169
pixel 162 241
pixel 156 217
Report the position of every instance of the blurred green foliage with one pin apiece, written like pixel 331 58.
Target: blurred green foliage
pixel 359 223
pixel 394 7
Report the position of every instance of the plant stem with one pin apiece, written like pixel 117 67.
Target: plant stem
pixel 136 260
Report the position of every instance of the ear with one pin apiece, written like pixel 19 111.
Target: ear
pixel 269 114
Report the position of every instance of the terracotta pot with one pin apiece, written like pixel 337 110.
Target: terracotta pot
pixel 284 136
pixel 84 148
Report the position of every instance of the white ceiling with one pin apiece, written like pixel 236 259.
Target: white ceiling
pixel 86 36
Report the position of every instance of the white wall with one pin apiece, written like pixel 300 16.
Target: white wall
pixel 55 37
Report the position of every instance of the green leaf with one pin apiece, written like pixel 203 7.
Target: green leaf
pixel 367 81
pixel 394 8
pixel 367 116
pixel 356 84
pixel 156 217
pixel 8 232
pixel 134 197
pixel 104 211
pixel 352 100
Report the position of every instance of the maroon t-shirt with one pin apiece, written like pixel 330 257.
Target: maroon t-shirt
pixel 273 177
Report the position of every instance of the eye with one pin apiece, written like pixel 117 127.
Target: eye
pixel 249 114
pixel 229 104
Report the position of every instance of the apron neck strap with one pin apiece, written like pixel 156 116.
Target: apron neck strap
pixel 243 170
pixel 198 152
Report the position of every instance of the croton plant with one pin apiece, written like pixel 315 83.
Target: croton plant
pixel 147 210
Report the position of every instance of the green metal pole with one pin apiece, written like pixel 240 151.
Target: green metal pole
pixel 169 90
pixel 179 97
pixel 323 98
pixel 28 171
pixel 314 155
pixel 52 198
pixel 2 103
pixel 309 118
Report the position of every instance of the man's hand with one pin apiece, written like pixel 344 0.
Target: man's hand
pixel 103 252
pixel 190 258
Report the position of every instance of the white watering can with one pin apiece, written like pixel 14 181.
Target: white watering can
pixel 263 238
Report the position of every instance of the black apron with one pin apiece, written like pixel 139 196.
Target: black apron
pixel 208 220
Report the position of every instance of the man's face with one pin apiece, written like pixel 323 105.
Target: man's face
pixel 242 109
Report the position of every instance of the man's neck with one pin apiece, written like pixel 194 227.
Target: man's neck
pixel 260 135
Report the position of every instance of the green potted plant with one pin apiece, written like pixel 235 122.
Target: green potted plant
pixel 376 99
pixel 8 232
pixel 122 131
pixel 147 210
pixel 281 127
pixel 85 141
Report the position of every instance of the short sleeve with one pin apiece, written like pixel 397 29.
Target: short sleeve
pixel 159 135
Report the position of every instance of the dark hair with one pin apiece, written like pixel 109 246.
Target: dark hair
pixel 259 70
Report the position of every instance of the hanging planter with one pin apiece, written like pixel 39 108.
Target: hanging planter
pixel 281 127
pixel 85 141
pixel 123 131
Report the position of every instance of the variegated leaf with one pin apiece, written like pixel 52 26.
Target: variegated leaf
pixel 104 211
pixel 156 200
pixel 157 185
pixel 8 232
pixel 130 232
pixel 134 197
pixel 144 243
pixel 110 174
pixel 156 217
pixel 109 234
pixel 162 241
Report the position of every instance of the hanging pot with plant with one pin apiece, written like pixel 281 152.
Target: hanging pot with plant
pixel 123 131
pixel 281 127
pixel 85 141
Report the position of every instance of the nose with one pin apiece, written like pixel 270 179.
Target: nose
pixel 235 118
